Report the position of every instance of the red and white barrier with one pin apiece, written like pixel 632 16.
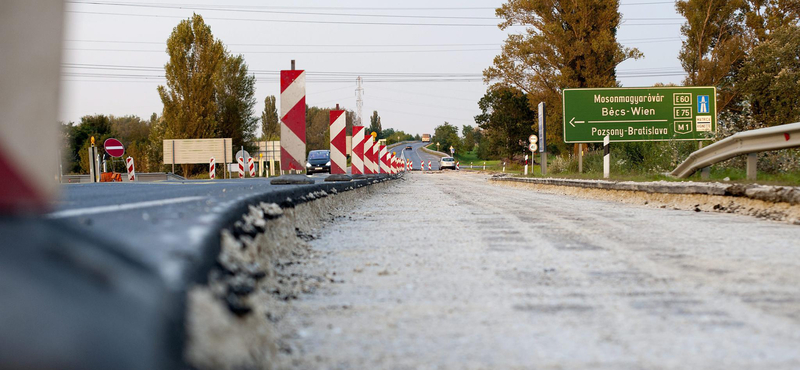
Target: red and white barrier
pixel 429 165
pixel 293 120
pixel 457 166
pixel 357 151
pixel 384 166
pixel 368 169
pixel 131 169
pixel 376 156
pixel 422 165
pixel 241 167
pixel 338 142
pixel 251 166
pixel 212 168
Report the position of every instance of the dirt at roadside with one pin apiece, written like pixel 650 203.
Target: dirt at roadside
pixel 776 211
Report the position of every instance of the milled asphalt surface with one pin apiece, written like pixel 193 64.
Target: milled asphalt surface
pixel 447 271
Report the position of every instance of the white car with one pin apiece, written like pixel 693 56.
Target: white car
pixel 447 162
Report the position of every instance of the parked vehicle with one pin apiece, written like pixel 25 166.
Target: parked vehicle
pixel 318 161
pixel 447 162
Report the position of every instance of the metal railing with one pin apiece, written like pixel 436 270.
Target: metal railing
pixel 748 142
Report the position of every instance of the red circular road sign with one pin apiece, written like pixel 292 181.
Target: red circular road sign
pixel 114 148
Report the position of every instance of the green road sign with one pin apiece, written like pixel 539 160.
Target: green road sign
pixel 639 114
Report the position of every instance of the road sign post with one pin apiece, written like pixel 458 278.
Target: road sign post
pixel 542 137
pixel 93 170
pixel 533 147
pixel 639 114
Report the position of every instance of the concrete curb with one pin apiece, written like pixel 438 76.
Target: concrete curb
pixel 773 194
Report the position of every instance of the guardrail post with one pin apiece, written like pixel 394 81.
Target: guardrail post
pixel 752 162
pixel 580 158
pixel 705 173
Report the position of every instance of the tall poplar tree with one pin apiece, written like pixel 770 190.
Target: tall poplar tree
pixel 375 125
pixel 567 44
pixel 189 98
pixel 235 101
pixel 270 125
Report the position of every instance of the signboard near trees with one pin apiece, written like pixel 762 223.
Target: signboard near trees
pixel 639 114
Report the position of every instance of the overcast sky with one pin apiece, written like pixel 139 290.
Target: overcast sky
pixel 418 69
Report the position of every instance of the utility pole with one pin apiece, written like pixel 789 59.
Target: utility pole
pixel 359 101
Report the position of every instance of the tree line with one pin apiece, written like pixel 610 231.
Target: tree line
pixel 209 93
pixel 748 49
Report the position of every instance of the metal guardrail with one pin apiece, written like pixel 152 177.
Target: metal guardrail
pixel 747 142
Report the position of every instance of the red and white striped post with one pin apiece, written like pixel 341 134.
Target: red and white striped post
pixel 241 167
pixel 384 167
pixel 131 169
pixel 429 165
pixel 368 168
pixel 422 165
pixel 251 166
pixel 338 142
pixel 293 120
pixel 392 164
pixel 212 169
pixel 357 151
pixel 376 162
pixel 457 166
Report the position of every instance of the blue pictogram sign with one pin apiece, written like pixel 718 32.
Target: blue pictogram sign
pixel 702 104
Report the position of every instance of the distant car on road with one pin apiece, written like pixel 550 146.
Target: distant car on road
pixel 318 161
pixel 447 162
pixel 409 147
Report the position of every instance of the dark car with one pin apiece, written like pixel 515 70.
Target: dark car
pixel 318 161
pixel 409 147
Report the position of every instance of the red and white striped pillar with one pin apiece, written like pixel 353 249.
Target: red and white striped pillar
pixel 241 167
pixel 251 166
pixel 457 166
pixel 429 165
pixel 131 169
pixel 293 120
pixel 212 168
pixel 338 142
pixel 382 155
pixel 368 169
pixel 376 163
pixel 357 151
pixel 422 165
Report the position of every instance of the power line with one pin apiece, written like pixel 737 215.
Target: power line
pixel 298 52
pixel 330 8
pixel 290 45
pixel 239 10
pixel 291 21
pixel 344 22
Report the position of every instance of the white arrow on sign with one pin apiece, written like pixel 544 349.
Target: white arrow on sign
pixel 573 120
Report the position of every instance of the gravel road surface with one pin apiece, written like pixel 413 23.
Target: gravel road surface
pixel 447 271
